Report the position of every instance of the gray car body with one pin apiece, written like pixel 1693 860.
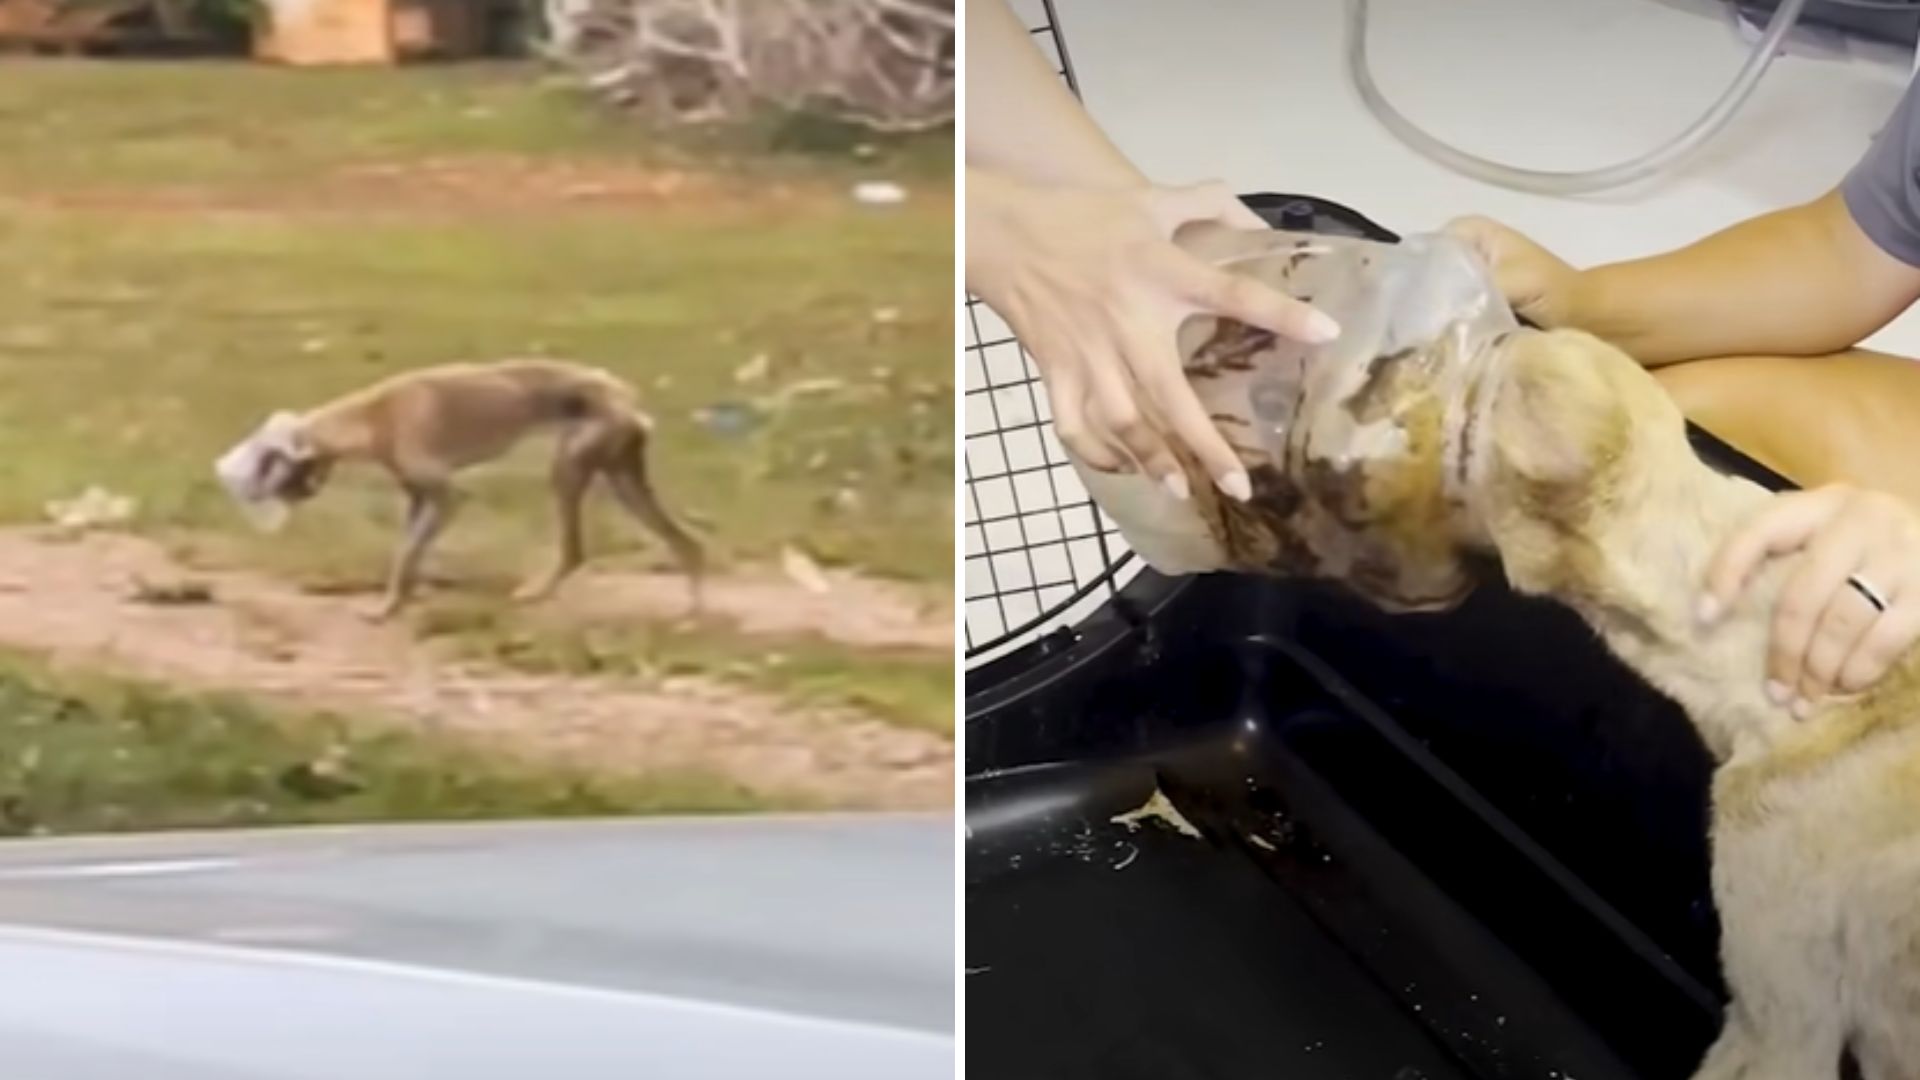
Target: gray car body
pixel 661 948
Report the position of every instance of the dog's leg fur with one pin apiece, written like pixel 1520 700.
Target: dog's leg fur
pixel 625 468
pixel 1887 936
pixel 573 471
pixel 1788 1019
pixel 429 505
pixel 1733 1054
pixel 1747 1050
pixel 616 450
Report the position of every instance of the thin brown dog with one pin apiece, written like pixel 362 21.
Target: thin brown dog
pixel 425 426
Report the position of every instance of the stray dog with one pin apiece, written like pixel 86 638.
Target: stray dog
pixel 424 426
pixel 1564 461
pixel 1590 494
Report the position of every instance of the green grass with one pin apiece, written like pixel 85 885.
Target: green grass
pixel 88 754
pixel 233 123
pixel 141 340
pixel 194 245
pixel 132 357
pixel 910 688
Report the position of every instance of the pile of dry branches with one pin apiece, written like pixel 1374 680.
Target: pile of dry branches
pixel 887 64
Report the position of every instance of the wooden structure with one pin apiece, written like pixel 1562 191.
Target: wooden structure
pixel 291 31
pixel 371 31
pixel 63 27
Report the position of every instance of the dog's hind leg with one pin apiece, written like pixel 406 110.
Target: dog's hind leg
pixel 626 472
pixel 428 508
pixel 574 463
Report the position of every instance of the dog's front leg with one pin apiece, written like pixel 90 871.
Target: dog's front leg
pixel 1781 953
pixel 1733 1054
pixel 428 507
pixel 1747 1050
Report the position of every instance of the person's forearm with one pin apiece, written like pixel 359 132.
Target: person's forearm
pixel 1799 282
pixel 988 195
pixel 1021 118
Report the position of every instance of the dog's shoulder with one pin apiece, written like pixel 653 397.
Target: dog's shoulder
pixel 1867 748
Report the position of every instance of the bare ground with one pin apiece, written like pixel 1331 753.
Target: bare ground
pixel 74 599
pixel 443 187
pixel 853 610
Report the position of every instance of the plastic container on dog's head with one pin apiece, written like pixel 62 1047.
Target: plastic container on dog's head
pixel 1359 450
pixel 250 469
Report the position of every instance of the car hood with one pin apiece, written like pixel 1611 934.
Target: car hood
pixel 665 947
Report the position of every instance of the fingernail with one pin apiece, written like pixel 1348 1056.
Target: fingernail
pixel 1321 328
pixel 1237 486
pixel 1707 610
pixel 1777 692
pixel 1802 709
pixel 1176 484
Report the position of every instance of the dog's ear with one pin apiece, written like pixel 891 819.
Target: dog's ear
pixel 284 433
pixel 1561 419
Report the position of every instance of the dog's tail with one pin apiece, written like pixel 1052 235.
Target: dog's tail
pixel 632 484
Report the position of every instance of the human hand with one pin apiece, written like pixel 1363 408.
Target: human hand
pixel 1093 285
pixel 1536 282
pixel 1826 631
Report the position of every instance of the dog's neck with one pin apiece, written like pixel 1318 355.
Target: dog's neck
pixel 1640 584
pixel 339 434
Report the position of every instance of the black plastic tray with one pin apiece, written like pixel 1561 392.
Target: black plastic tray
pixel 1438 846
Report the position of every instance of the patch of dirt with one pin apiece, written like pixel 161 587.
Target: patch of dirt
pixel 77 600
pixel 437 186
pixel 507 182
pixel 855 610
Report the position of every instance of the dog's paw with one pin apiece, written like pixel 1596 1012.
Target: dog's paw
pixel 380 613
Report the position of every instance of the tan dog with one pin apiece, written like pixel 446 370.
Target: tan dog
pixel 1573 467
pixel 425 426
pixel 1591 495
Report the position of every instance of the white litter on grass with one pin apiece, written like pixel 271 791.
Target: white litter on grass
pixel 753 370
pixel 803 571
pixel 93 508
pixel 808 388
pixel 879 193
pixel 1157 806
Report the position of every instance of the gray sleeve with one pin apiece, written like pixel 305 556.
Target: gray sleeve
pixel 1883 190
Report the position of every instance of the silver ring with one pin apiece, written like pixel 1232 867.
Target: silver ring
pixel 1872 594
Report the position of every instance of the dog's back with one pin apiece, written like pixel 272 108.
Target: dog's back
pixel 560 391
pixel 541 391
pixel 465 413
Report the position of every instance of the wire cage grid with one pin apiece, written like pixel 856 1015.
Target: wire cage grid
pixel 1039 554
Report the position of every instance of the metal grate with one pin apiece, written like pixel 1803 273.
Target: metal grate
pixel 1039 553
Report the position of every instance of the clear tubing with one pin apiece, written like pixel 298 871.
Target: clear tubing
pixel 1587 181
